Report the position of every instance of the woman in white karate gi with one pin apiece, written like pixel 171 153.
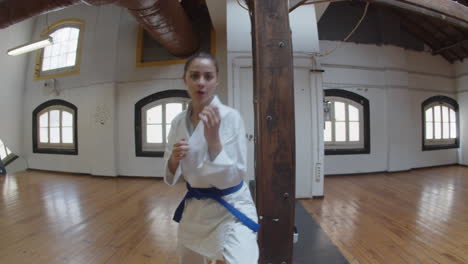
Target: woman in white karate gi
pixel 206 146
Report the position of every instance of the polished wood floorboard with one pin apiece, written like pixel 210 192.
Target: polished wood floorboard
pixel 45 217
pixel 420 216
pixel 48 217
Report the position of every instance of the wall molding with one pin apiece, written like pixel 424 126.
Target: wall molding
pixel 463 74
pixel 383 69
pixel 332 85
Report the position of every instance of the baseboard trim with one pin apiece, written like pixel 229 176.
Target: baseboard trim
pixel 398 171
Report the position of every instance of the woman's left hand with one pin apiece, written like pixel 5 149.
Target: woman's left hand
pixel 211 120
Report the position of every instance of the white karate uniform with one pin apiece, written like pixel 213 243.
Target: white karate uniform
pixel 207 228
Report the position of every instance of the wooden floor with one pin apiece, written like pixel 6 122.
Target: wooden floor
pixel 64 218
pixel 419 216
pixel 413 217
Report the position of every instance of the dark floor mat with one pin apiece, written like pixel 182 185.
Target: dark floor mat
pixel 313 246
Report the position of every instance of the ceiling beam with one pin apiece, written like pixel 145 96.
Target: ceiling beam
pixel 447 10
pixel 450 47
pixel 421 33
pixel 293 4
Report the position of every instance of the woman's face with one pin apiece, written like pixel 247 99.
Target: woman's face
pixel 201 80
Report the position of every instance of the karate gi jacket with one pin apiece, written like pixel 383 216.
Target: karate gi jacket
pixel 206 226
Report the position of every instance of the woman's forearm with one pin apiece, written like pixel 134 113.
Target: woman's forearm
pixel 214 149
pixel 172 164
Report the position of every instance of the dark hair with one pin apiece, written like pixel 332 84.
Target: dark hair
pixel 200 55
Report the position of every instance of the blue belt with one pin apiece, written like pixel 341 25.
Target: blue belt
pixel 215 194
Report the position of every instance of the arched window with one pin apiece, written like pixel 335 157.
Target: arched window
pixel 347 129
pixel 440 123
pixel 55 128
pixel 153 117
pixel 6 155
pixel 63 57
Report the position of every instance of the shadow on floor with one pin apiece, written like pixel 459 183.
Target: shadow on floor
pixel 313 246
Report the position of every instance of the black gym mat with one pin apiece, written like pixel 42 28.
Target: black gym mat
pixel 313 246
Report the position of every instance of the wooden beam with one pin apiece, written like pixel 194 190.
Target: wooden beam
pixel 419 32
pixel 450 47
pixel 446 10
pixel 293 4
pixel 274 128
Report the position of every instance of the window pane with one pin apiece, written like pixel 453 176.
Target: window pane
pixel 44 120
pixel 53 62
pixel 453 130
pixel 353 131
pixel 62 47
pixel 54 118
pixel 445 133
pixel 72 46
pixel 74 33
pixel 445 114
pixel 62 60
pixel 437 130
pixel 453 117
pixel 67 135
pixel 339 111
pixel 55 49
pixel 54 135
pixel 437 113
pixel 429 130
pixel 154 134
pixel 62 34
pixel 328 132
pixel 340 131
pixel 44 135
pixel 63 52
pixel 172 110
pixel 154 115
pixel 46 64
pixel 47 51
pixel 429 114
pixel 168 128
pixel 353 113
pixel 2 153
pixel 67 119
pixel 71 59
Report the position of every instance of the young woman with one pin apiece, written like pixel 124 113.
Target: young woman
pixel 206 146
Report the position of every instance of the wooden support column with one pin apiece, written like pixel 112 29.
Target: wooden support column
pixel 275 129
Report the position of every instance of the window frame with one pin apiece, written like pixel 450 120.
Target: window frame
pixel 49 148
pixel 363 147
pixel 10 157
pixel 146 103
pixel 441 100
pixel 64 71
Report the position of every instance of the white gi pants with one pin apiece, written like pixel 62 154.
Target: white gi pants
pixel 242 248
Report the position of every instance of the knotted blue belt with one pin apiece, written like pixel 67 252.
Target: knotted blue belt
pixel 215 194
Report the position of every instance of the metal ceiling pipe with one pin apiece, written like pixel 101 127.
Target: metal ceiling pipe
pixel 14 11
pixel 167 22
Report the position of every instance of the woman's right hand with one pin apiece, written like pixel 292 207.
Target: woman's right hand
pixel 179 150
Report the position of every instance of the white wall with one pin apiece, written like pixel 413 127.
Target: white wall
pixel 461 74
pixel 396 82
pixel 92 92
pixel 12 84
pixel 109 79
